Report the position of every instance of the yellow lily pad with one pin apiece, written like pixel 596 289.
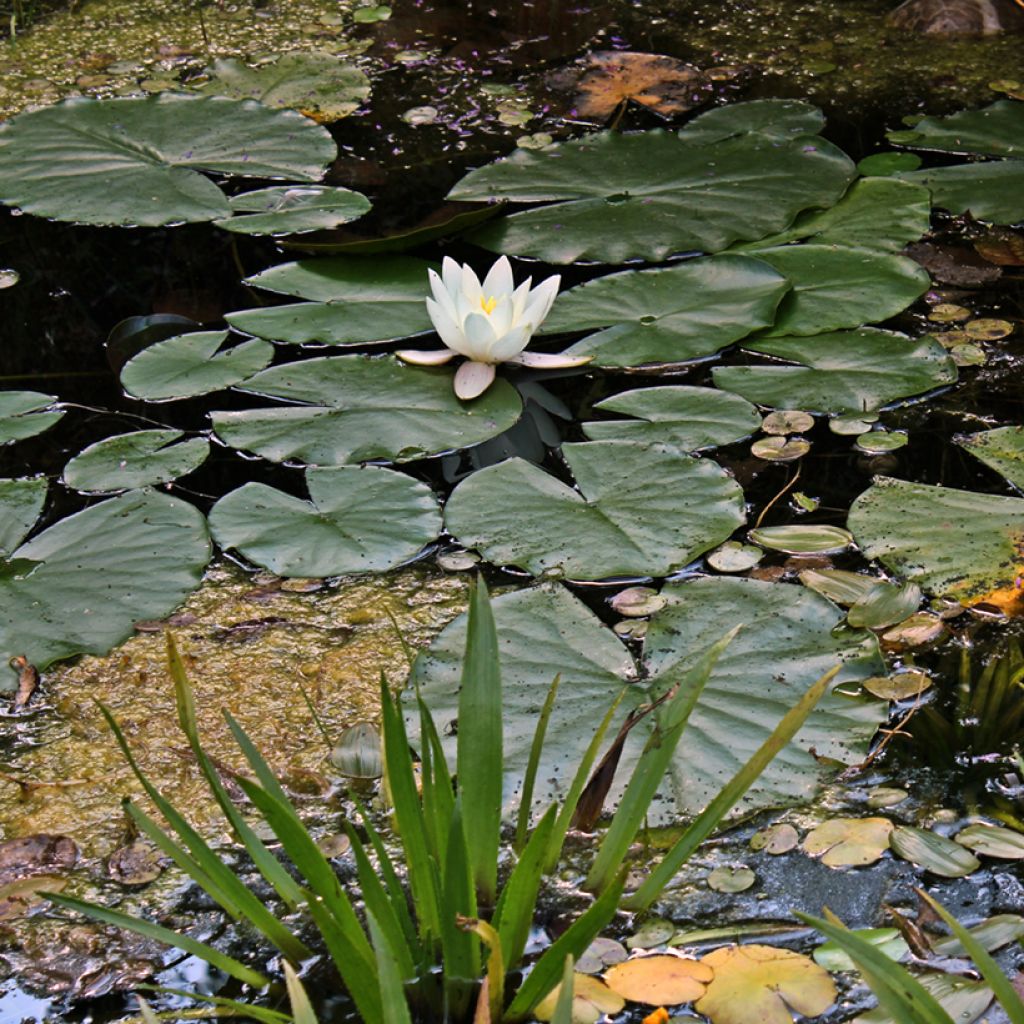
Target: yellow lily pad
pixel 899 685
pixel 764 985
pixel 844 842
pixel 591 1000
pixel 775 839
pixel 659 980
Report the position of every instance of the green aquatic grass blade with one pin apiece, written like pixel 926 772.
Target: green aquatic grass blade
pixel 479 761
pixel 670 721
pixel 258 1013
pixel 530 778
pixel 517 904
pixel 708 820
pixel 394 1007
pixel 563 1007
pixel 898 992
pixel 266 863
pixel 302 1009
pixel 140 926
pixel 572 942
pixel 460 949
pixel 438 794
pixel 264 775
pixel 236 898
pixel 1005 993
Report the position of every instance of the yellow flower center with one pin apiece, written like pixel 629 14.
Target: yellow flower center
pixel 488 304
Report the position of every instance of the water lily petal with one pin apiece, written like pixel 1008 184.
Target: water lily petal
pixel 541 299
pixel 470 286
pixel 510 344
pixel 473 379
pixel 480 337
pixel 448 330
pixel 548 361
pixel 520 297
pixel 501 315
pixel 442 296
pixel 451 275
pixel 436 357
pixel 499 279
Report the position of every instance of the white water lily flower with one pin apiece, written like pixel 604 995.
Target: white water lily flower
pixel 488 323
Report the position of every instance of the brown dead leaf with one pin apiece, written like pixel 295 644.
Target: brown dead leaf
pixel 659 980
pixel 664 85
pixel 28 680
pixel 1001 246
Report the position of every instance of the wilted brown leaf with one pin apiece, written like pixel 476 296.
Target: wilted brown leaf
pixel 1001 246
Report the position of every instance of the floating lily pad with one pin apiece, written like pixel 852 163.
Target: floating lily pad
pixel 320 85
pixel 780 449
pixel 640 509
pixel 787 422
pixel 25 414
pixel 592 999
pixel 21 503
pixel 934 853
pixel 192 364
pixel 764 985
pixel 672 314
pixel 923 629
pixel 991 191
pixel 655 931
pixel 780 118
pixel 355 300
pixel 613 197
pixel 690 418
pixel 802 540
pixel 775 839
pixel 80 585
pixel 637 601
pixel 1002 449
pixel 878 442
pixel 996 130
pixel 134 162
pixel 847 842
pixel 370 13
pixel 734 556
pixel 659 980
pixel 293 209
pixel 987 329
pixel 952 543
pixel 357 520
pixel 898 686
pixel 885 604
pixel 886 940
pixel 361 408
pixel 142 458
pixel 888 163
pixel 847 371
pixel 727 879
pixel 992 841
pixel 601 953
pixel 847 425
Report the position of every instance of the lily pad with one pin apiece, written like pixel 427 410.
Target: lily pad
pixel 638 509
pixel 734 556
pixel 952 543
pixel 849 842
pixel 355 300
pixel 690 418
pixel 898 686
pixel 659 980
pixel 135 162
pixel 613 197
pixel 319 85
pixel 878 442
pixel 142 458
pixel 601 953
pixel 764 985
pixel 357 520
pixel 592 999
pixel 992 841
pixel 934 853
pixel 996 130
pixel 787 421
pixel 25 414
pixel 802 540
pixel 653 932
pixel 21 502
pixel 192 364
pixel 780 118
pixel 671 314
pixel 922 629
pixel 775 839
pixel 991 191
pixel 727 879
pixel 637 601
pixel 847 371
pixel 780 449
pixel 361 408
pixel 1002 449
pixel 293 209
pixel 78 586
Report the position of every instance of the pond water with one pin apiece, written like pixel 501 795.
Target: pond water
pixel 449 87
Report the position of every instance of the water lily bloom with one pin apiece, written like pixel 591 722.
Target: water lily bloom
pixel 488 323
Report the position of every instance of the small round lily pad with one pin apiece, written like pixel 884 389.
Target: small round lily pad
pixel 726 879
pixel 899 685
pixel 875 442
pixel 637 602
pixel 845 842
pixel 988 329
pixel 655 932
pixel 948 312
pixel 775 839
pixel 780 449
pixel 601 953
pixel 786 421
pixel 734 556
pixel 968 355
pixel 919 630
pixel 849 425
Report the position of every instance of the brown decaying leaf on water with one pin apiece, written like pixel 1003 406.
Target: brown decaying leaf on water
pixel 1001 246
pixel 664 85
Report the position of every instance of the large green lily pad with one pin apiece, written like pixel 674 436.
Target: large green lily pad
pixel 21 502
pixel 669 315
pixel 845 371
pixel 1002 449
pixel 142 458
pixel 953 543
pixel 293 209
pixel 25 414
pixel 839 286
pixel 358 408
pixel 135 162
pixel 992 191
pixel 638 509
pixel 996 130
pixel 80 585
pixel 614 197
pixel 770 117
pixel 355 300
pixel 358 519
pixel 687 417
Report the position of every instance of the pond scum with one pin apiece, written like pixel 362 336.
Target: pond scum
pixel 729 438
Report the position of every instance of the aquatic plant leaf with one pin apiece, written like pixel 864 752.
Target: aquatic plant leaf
pixel 764 985
pixel 995 130
pixel 615 197
pixel 993 933
pixel 21 502
pixel 888 940
pixel 730 879
pixel 802 538
pixel 192 364
pixel 841 372
pixel 957 544
pixel 839 286
pixel 659 980
pixel 991 841
pixel 142 458
pixel 638 509
pixel 964 999
pixel 844 842
pixel 885 604
pixel 358 519
pixel 354 300
pixel 875 213
pixel 320 85
pixel 591 1000
pixel 992 191
pixel 934 853
pixel 362 408
pixel 94 574
pixel 839 585
pixel 1002 449
pixel 672 314
pixel 25 414
pixel 780 118
pixel 135 162
pixel 689 418
pixel 293 209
